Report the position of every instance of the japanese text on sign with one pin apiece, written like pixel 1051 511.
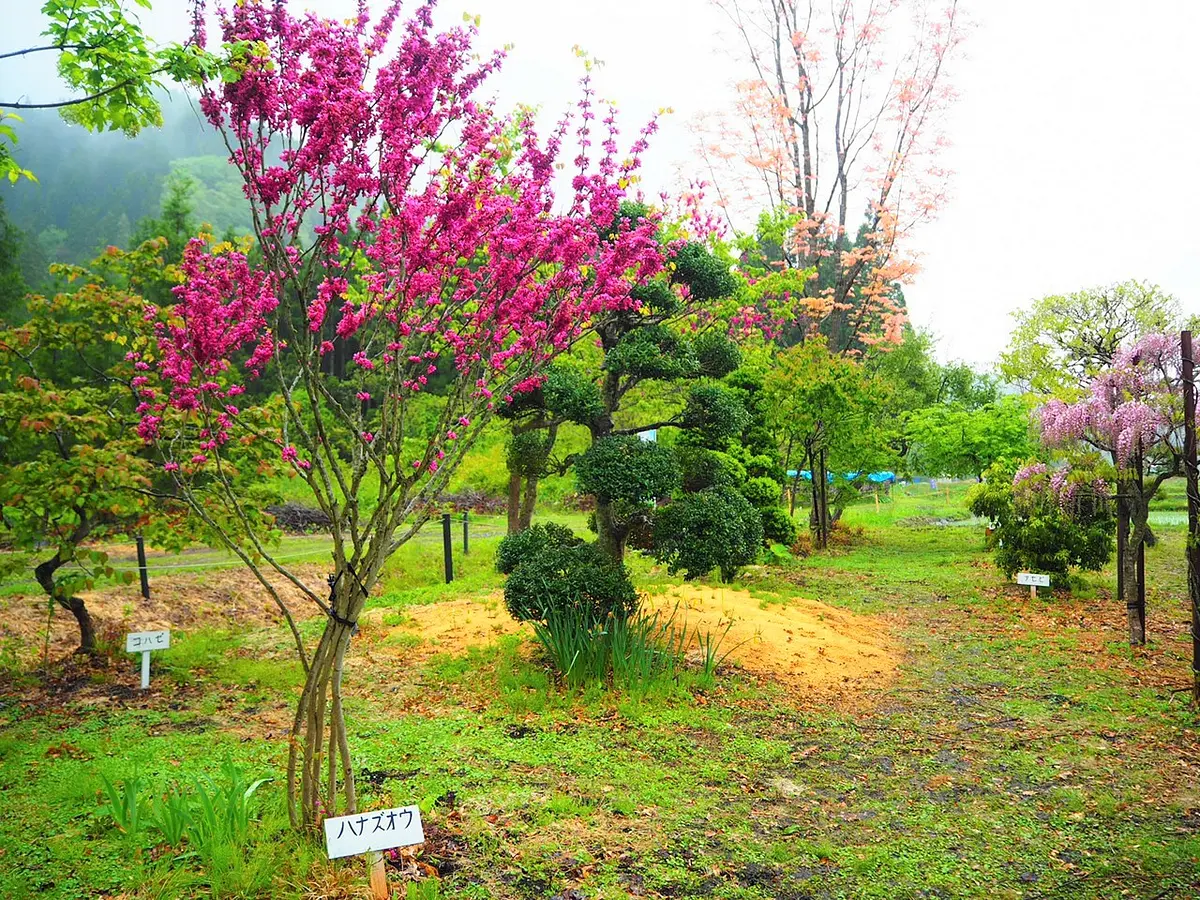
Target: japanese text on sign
pixel 380 830
pixel 1033 578
pixel 141 641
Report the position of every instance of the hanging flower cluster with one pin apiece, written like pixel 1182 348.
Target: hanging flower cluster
pixel 1130 407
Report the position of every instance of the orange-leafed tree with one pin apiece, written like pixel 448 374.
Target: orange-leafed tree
pixel 835 134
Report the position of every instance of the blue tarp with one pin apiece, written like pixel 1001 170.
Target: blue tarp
pixel 874 477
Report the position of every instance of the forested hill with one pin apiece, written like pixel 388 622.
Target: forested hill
pixel 94 189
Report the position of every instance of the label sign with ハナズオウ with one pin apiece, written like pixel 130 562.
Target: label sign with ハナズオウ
pixel 383 829
pixel 1033 578
pixel 142 641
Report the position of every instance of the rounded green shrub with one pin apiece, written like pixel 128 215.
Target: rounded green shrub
pixel 706 276
pixel 762 493
pixel 713 529
pixel 714 413
pixel 778 527
pixel 718 355
pixel 1031 529
pixel 579 581
pixel 522 546
pixel 763 466
pixel 703 468
pixel 624 467
pixel 653 351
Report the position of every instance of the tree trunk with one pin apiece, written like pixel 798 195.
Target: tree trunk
pixel 1129 587
pixel 44 573
pixel 319 748
pixel 608 535
pixel 514 502
pixel 1132 568
pixel 528 502
pixel 819 517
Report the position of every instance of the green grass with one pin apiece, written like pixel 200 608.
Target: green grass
pixel 1023 752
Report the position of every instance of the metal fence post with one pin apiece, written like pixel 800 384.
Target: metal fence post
pixel 466 534
pixel 448 547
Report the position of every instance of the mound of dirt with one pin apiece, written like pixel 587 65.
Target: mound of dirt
pixel 803 644
pixel 800 643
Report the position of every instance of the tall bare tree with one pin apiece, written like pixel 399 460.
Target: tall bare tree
pixel 836 132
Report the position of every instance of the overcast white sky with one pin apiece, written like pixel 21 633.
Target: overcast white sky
pixel 1074 139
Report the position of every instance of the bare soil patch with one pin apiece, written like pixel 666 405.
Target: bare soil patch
pixel 803 644
pixel 221 598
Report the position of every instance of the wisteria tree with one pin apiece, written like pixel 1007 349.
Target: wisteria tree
pixel 1133 412
pixel 835 133
pixel 441 274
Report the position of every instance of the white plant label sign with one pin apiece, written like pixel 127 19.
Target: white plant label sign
pixel 143 642
pixel 371 832
pixel 1033 579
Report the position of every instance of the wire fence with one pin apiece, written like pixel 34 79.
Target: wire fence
pixel 470 528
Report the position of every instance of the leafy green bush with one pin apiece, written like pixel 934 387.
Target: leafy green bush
pixel 706 276
pixel 1035 529
pixel 714 413
pixel 531 543
pixel 703 468
pixel 623 467
pixel 718 355
pixel 778 527
pixel 571 580
pixel 763 493
pixel 713 529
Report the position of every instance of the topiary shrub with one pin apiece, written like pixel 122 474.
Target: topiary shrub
pixel 714 414
pixel 522 546
pixel 763 493
pixel 623 467
pixel 763 466
pixel 569 580
pixel 717 354
pixel 778 527
pixel 703 468
pixel 713 529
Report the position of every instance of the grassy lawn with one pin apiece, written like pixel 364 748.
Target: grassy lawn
pixel 1022 751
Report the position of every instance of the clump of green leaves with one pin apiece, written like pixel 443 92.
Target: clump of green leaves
pixel 551 573
pixel 1033 529
pixel 713 529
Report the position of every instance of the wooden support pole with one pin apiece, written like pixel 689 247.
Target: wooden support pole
pixel 142 570
pixel 1192 546
pixel 448 547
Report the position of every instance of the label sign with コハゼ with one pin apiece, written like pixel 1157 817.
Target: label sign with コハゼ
pixel 141 641
pixel 1033 578
pixel 384 829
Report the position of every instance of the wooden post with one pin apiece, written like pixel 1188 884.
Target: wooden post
pixel 1192 547
pixel 466 536
pixel 379 885
pixel 1141 551
pixel 142 571
pixel 1033 592
pixel 448 547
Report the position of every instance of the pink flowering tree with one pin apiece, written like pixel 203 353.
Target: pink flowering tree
pixel 1133 412
pixel 412 267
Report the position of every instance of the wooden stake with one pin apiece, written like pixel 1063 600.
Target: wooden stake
pixel 1192 546
pixel 379 885
pixel 1033 592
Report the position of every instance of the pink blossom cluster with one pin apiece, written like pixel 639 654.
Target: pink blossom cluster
pixel 1130 405
pixel 440 246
